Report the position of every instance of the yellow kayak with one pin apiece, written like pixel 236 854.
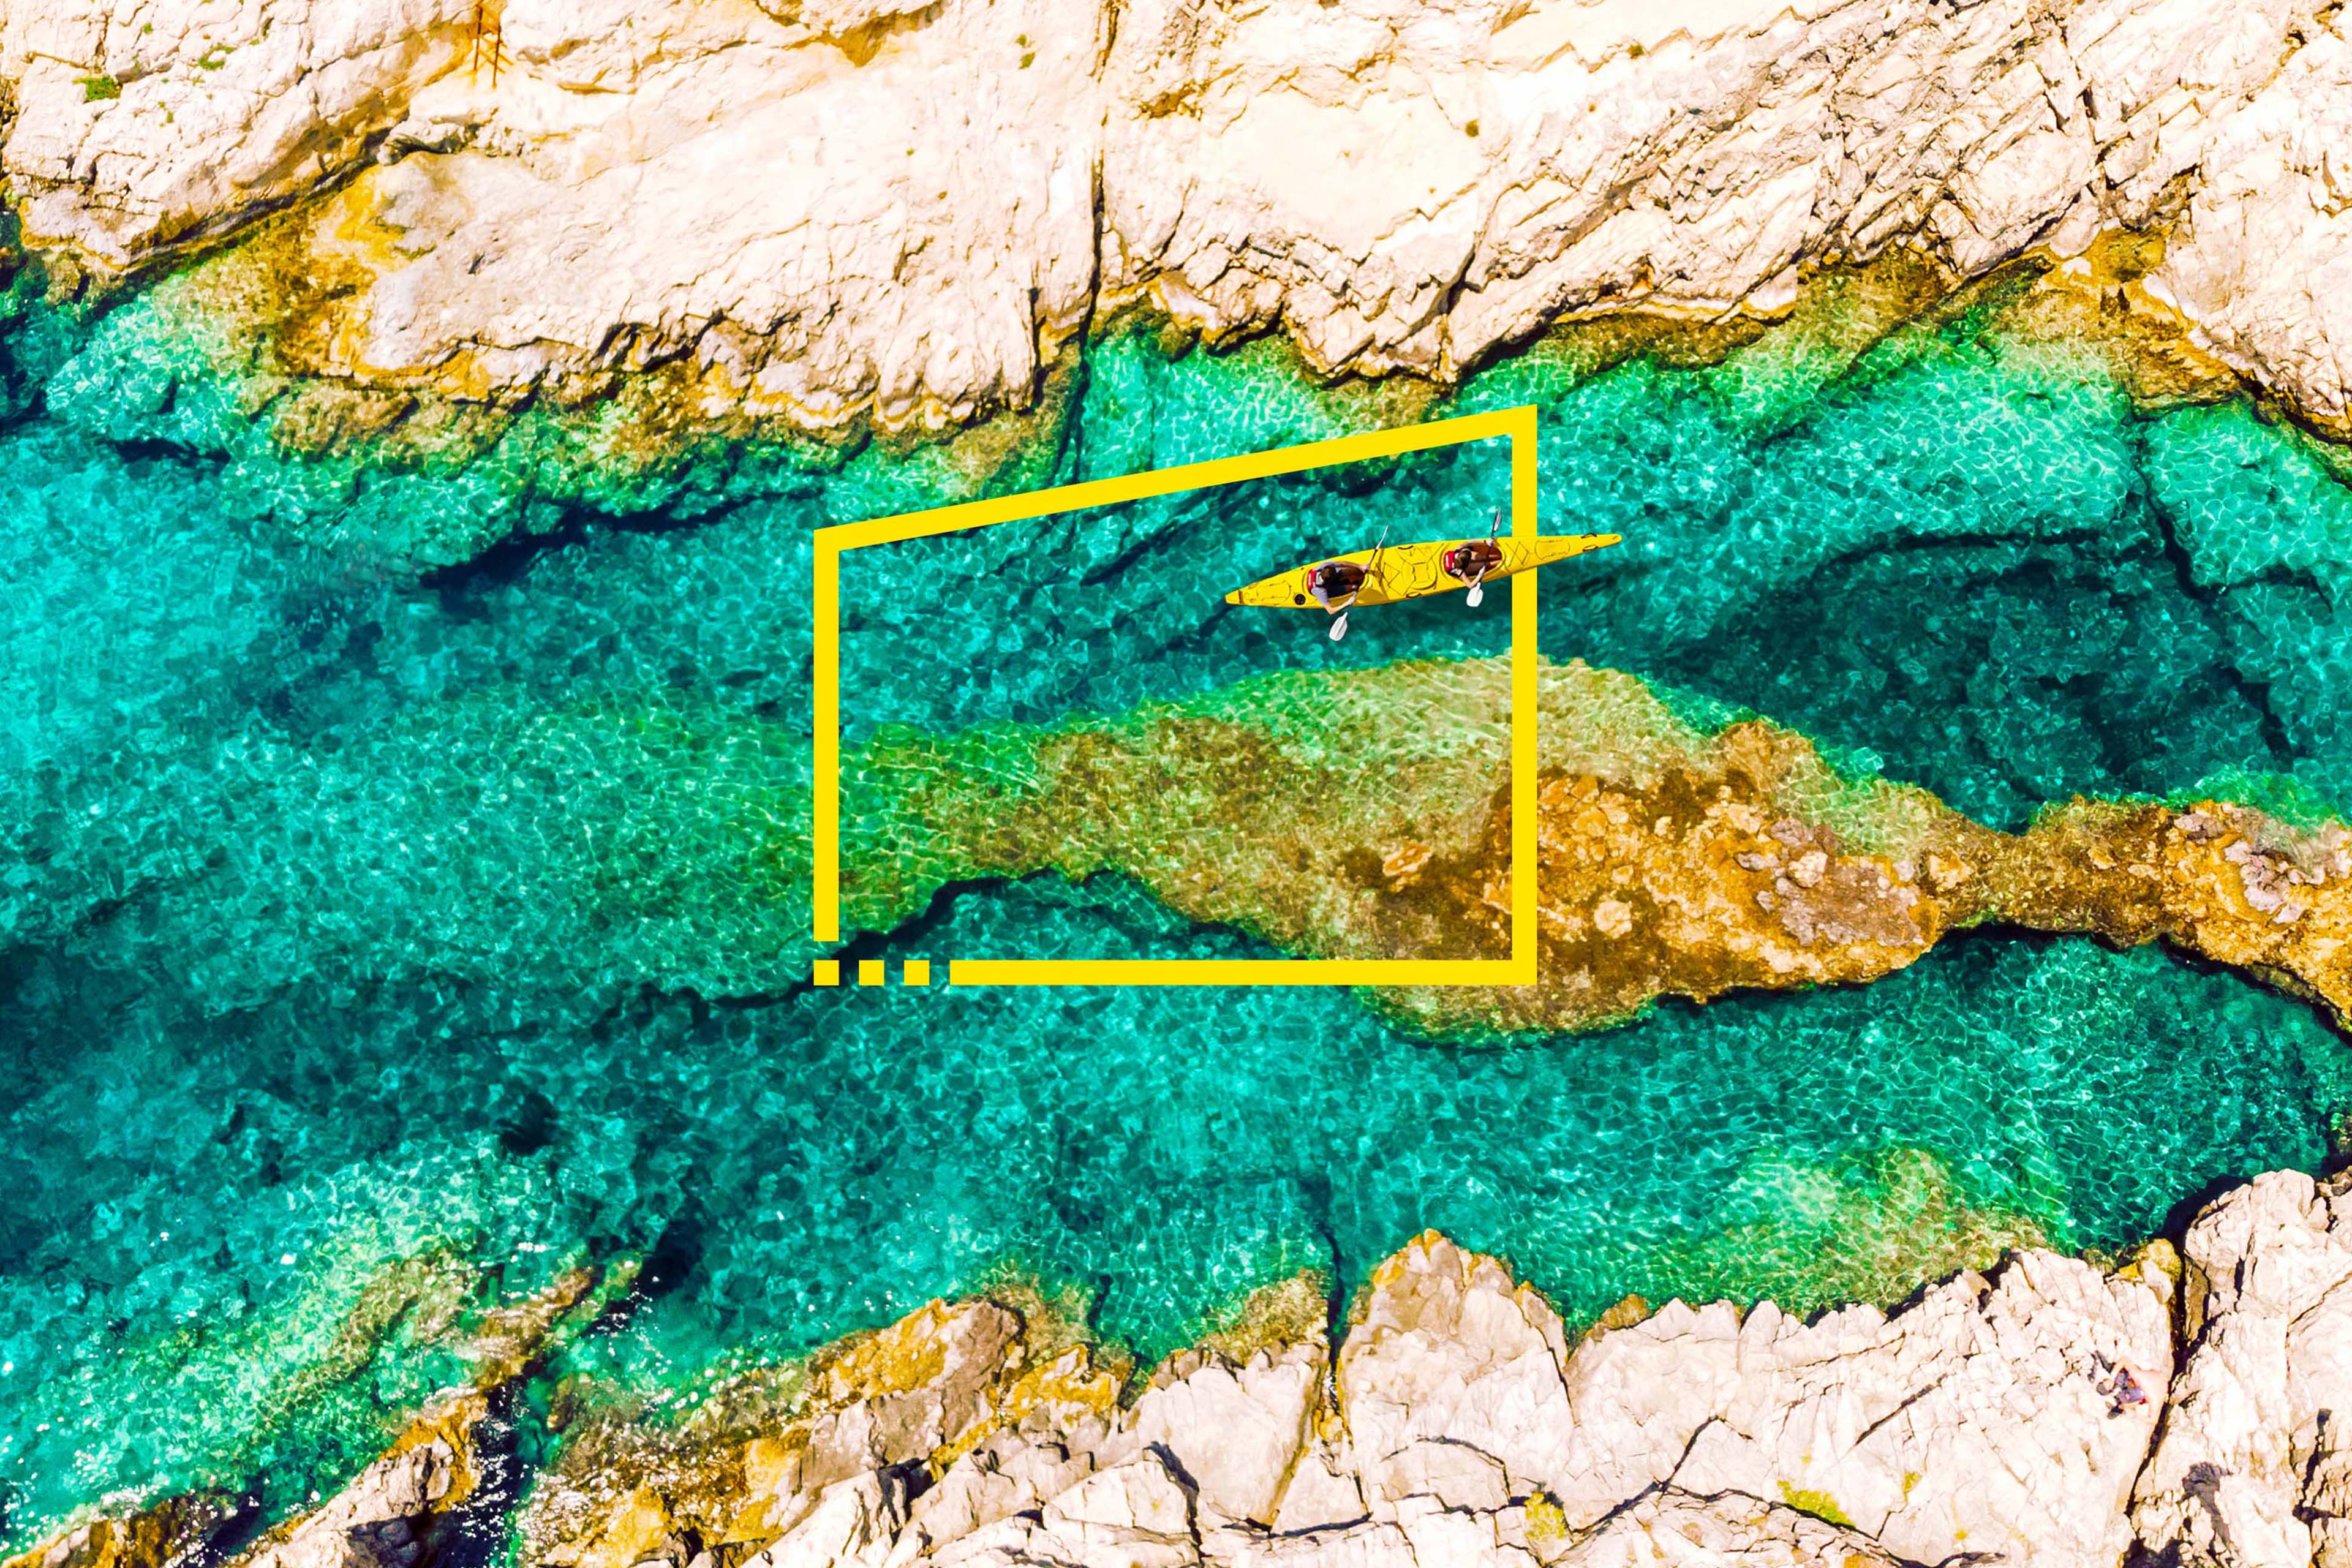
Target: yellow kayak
pixel 1412 571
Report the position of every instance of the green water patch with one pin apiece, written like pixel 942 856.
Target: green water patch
pixel 1977 568
pixel 1110 607
pixel 1969 566
pixel 1962 561
pixel 1974 561
pixel 827 1159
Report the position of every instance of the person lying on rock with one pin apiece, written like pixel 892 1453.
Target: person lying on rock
pixel 2128 1391
pixel 2116 1385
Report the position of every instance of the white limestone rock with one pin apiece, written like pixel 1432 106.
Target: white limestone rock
pixel 378 1519
pixel 1973 1421
pixel 1675 1528
pixel 1236 1431
pixel 1368 1545
pixel 1142 1496
pixel 1136 1515
pixel 1477 1537
pixel 1410 185
pixel 1984 1419
pixel 963 1349
pixel 1322 1494
pixel 2008 1416
pixel 142 125
pixel 1451 1349
pixel 877 206
pixel 1448 1474
pixel 854 1524
pixel 1423 1534
pixel 1006 1476
pixel 2261 256
pixel 2252 1466
pixel 371 1523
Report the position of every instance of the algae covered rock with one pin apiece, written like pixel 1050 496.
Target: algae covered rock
pixel 174 1532
pixel 1367 813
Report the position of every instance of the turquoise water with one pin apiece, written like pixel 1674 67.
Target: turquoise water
pixel 835 1157
pixel 1105 609
pixel 374 891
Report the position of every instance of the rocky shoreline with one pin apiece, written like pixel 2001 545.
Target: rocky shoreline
pixel 494 200
pixel 415 217
pixel 2180 1408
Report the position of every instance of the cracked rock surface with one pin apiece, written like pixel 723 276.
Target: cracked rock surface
pixel 821 211
pixel 2177 1408
pixel 2254 1466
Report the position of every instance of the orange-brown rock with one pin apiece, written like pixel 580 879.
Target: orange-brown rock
pixel 748 1464
pixel 173 1531
pixel 1367 815
pixel 2225 881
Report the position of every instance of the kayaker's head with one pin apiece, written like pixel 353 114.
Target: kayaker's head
pixel 1335 580
pixel 1477 558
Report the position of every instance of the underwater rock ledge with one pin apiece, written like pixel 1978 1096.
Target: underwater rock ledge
pixel 2048 1412
pixel 1366 815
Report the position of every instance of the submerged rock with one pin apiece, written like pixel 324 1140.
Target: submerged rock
pixel 1674 861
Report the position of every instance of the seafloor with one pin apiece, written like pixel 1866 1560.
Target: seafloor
pixel 404 897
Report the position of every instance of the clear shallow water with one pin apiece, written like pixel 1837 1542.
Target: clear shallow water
pixel 833 1158
pixel 357 906
pixel 1105 609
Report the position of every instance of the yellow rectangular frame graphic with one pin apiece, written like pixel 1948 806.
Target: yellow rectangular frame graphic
pixel 1519 969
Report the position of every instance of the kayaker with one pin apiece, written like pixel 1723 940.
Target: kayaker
pixel 1335 584
pixel 1474 560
